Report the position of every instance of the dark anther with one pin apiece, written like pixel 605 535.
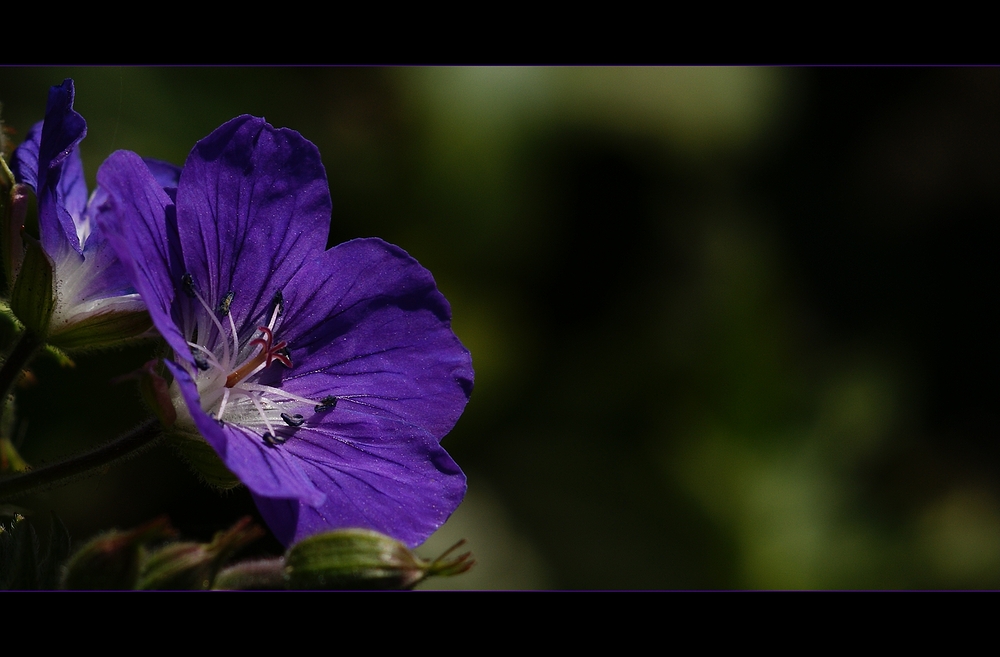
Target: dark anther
pixel 188 284
pixel 200 361
pixel 272 440
pixel 279 302
pixel 226 301
pixel 293 420
pixel 328 403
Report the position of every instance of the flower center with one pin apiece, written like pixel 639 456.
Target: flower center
pixel 225 373
pixel 268 353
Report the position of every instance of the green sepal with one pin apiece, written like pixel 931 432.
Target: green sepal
pixel 203 459
pixel 363 559
pixel 101 331
pixel 111 561
pixel 32 298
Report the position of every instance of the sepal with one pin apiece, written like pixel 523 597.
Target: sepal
pixel 32 300
pixel 101 331
pixel 204 460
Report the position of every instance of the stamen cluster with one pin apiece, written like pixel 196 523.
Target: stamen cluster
pixel 226 378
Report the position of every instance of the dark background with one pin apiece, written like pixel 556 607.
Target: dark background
pixel 730 327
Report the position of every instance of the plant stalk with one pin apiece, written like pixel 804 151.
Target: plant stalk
pixel 62 472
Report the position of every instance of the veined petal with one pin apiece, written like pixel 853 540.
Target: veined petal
pixel 265 471
pixel 48 161
pixel 139 222
pixel 166 174
pixel 378 473
pixel 24 161
pixel 323 379
pixel 366 323
pixel 253 207
pixel 107 276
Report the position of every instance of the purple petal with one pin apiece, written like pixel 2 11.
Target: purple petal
pixel 24 162
pixel 264 469
pixel 62 131
pixel 136 219
pixel 110 278
pixel 366 323
pixel 166 174
pixel 379 474
pixel 253 207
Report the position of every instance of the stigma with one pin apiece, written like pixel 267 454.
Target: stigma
pixel 268 353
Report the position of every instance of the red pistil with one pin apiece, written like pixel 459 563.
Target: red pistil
pixel 267 355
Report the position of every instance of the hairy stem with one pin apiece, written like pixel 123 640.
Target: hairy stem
pixel 125 446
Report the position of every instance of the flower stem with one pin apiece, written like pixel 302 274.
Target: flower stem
pixel 27 345
pixel 125 446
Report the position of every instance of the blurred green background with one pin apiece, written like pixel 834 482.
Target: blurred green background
pixel 730 326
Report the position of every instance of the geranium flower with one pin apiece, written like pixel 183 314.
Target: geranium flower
pixel 95 304
pixel 324 379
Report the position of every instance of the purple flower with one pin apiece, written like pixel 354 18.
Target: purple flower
pixel 324 379
pixel 95 302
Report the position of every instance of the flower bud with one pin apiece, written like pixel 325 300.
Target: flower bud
pixel 112 559
pixel 362 559
pixel 255 575
pixel 185 565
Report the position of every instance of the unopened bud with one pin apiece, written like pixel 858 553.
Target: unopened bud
pixel 255 575
pixel 362 559
pixel 111 561
pixel 185 566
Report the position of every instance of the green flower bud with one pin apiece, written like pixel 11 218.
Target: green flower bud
pixel 363 559
pixel 112 559
pixel 256 575
pixel 186 566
